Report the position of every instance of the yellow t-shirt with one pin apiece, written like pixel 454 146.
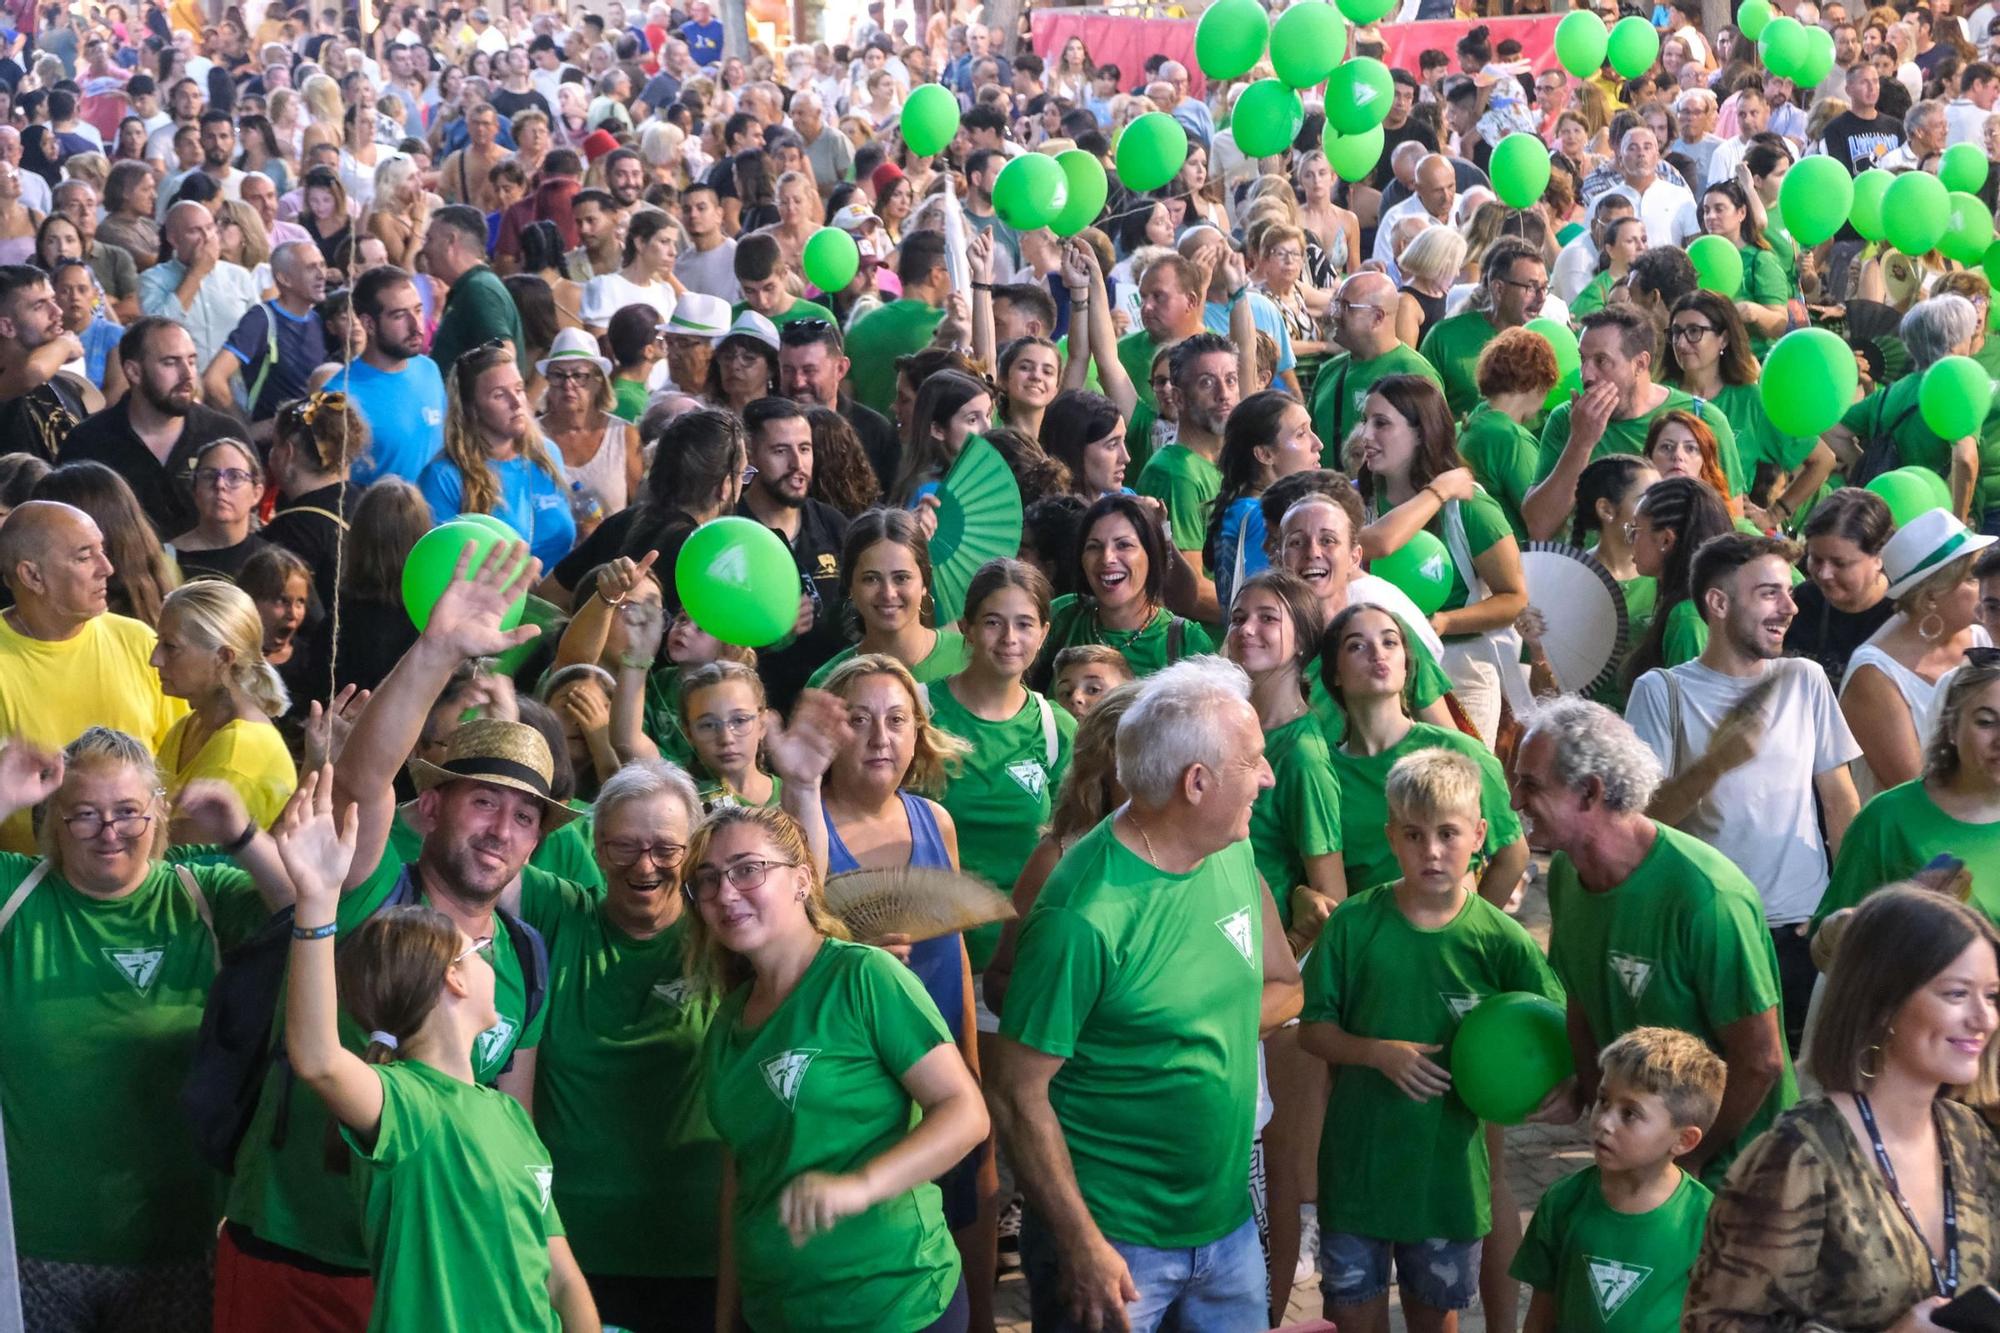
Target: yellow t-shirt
pixel 52 692
pixel 249 756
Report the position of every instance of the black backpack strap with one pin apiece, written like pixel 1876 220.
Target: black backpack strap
pixel 1176 638
pixel 533 951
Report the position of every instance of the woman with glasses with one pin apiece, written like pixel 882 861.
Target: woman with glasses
pixel 887 562
pixel 600 450
pixel 1762 292
pixel 210 652
pixel 722 712
pixel 1675 516
pixel 228 486
pixel 646 277
pixel 1624 241
pixel 495 460
pixel 1281 258
pixel 107 954
pixel 745 365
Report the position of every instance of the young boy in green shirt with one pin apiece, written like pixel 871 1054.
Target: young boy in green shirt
pixel 1403 1168
pixel 634 336
pixel 1611 1246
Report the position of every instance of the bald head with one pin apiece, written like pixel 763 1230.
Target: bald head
pixel 41 543
pixel 1369 288
pixel 1437 186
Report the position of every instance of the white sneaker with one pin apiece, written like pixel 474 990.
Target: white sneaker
pixel 1308 1266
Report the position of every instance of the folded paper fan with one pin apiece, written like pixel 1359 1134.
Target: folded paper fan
pixel 979 519
pixel 1586 643
pixel 920 903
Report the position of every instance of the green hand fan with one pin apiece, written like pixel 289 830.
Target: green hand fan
pixel 979 519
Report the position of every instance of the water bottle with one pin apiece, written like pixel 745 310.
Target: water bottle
pixel 584 505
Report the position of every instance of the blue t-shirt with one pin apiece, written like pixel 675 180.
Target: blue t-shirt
pixel 1266 318
pixel 704 41
pixel 531 502
pixel 301 341
pixel 404 410
pixel 98 340
pixel 1242 529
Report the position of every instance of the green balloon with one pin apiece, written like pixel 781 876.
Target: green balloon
pixel 1561 339
pixel 1866 214
pixel 1968 228
pixel 1365 12
pixel 1307 42
pixel 1520 170
pixel 1267 118
pixel 1815 198
pixel 1817 61
pixel 427 570
pixel 930 119
pixel 1906 496
pixel 738 582
pixel 1808 381
pixel 831 259
pixel 1954 397
pixel 1088 187
pixel 1150 152
pixel 1718 265
pixel 1783 46
pixel 1358 95
pixel 1753 17
pixel 1508 1054
pixel 1916 209
pixel 1030 191
pixel 1633 46
pixel 1934 485
pixel 1581 41
pixel 1963 167
pixel 1353 156
pixel 1230 38
pixel 1421 567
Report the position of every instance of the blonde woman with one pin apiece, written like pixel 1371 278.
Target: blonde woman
pixel 1334 231
pixel 324 115
pixel 1429 264
pixel 495 460
pixel 288 121
pixel 244 240
pixel 400 210
pixel 210 652
pixel 799 216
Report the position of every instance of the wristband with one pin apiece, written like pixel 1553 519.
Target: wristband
pixel 982 286
pixel 325 932
pixel 634 662
pixel 243 839
pixel 1237 295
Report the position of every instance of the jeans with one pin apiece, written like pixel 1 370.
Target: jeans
pixel 1214 1288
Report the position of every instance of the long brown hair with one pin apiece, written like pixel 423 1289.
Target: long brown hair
pixel 391 971
pixel 1301 605
pixel 705 959
pixel 1089 789
pixel 391 517
pixel 1419 402
pixel 463 444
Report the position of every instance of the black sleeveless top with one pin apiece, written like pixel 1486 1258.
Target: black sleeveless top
pixel 1432 306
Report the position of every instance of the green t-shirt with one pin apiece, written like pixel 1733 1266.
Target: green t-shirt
pixel 458 1185
pixel 1002 794
pixel 631 398
pixel 1613 1272
pixel 1298 816
pixel 1596 294
pixel 478 307
pixel 1364 803
pixel 1641 590
pixel 1135 353
pixel 1341 392
pixel 618 1091
pixel 1503 455
pixel 660 716
pixel 1148 986
pixel 294 1193
pixel 1763 283
pixel 1686 635
pixel 896 329
pixel 1485 525
pixel 1432 684
pixel 800 308
pixel 817 1087
pixel 100 1001
pixel 1680 944
pixel 1453 346
pixel 1628 436
pixel 1423 1173
pixel 1757 440
pixel 1892 411
pixel 946 658
pixel 1898 833
pixel 1186 483
pixel 1073 620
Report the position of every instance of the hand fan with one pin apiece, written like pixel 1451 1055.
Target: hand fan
pixel 1588 633
pixel 979 519
pixel 922 904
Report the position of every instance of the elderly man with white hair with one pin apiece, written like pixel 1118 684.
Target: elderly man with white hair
pixel 1696 112
pixel 1650 927
pixel 829 152
pixel 1926 133
pixel 1149 968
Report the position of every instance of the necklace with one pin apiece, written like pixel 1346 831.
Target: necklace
pixel 1151 855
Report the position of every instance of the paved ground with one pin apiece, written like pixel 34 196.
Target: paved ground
pixel 1537 1156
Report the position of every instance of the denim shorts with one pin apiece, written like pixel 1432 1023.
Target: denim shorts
pixel 1442 1274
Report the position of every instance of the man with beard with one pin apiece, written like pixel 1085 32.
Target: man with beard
pixel 218 153
pixel 625 178
pixel 397 389
pixel 981 170
pixel 477 307
pixel 1183 476
pixel 462 178
pixel 811 370
pixel 151 435
pixel 43 409
pixel 595 215
pixel 781 459
pixel 197 288
pixel 1748 737
pixel 1514 282
pixel 292 1253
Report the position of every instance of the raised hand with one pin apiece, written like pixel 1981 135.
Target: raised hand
pixel 315 850
pixel 327 726
pixel 30 774
pixel 802 752
pixel 979 256
pixel 621 577
pixel 209 810
pixel 492 695
pixel 467 616
pixel 635 634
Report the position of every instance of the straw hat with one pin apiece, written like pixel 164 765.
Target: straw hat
pixel 572 345
pixel 1926 544
pixel 501 754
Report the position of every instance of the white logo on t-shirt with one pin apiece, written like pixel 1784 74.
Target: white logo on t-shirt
pixel 1613 1282
pixel 675 993
pixel 1030 775
pixel 1460 1005
pixel 433 417
pixel 492 1043
pixel 1236 929
pixel 1634 972
pixel 138 966
pixel 545 1177
pixel 784 1073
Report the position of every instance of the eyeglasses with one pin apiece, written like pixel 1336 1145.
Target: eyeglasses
pixel 1690 333
pixel 483 945
pixel 223 478
pixel 1532 288
pixel 89 823
pixel 712 728
pixel 571 377
pixel 743 876
pixel 625 853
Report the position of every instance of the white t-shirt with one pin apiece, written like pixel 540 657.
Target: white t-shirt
pixel 1762 816
pixel 608 293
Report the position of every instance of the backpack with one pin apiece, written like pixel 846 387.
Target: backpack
pixel 1881 453
pixel 235 1050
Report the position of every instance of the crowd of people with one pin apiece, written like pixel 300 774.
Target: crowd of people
pixel 487 960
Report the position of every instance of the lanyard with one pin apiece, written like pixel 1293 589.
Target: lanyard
pixel 1947 1277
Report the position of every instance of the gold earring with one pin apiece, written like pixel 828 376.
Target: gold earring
pixel 1869 1075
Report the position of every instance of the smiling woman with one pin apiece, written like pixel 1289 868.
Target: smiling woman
pixel 888 566
pixel 1122 565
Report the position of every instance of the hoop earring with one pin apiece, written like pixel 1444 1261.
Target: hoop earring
pixel 1930 635
pixel 1861 1066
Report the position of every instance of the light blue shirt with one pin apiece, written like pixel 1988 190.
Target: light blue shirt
pixel 224 297
pixel 531 502
pixel 1265 315
pixel 404 410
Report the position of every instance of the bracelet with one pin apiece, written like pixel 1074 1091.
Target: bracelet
pixel 982 286
pixel 243 839
pixel 609 604
pixel 1435 494
pixel 325 932
pixel 634 662
pixel 1237 295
